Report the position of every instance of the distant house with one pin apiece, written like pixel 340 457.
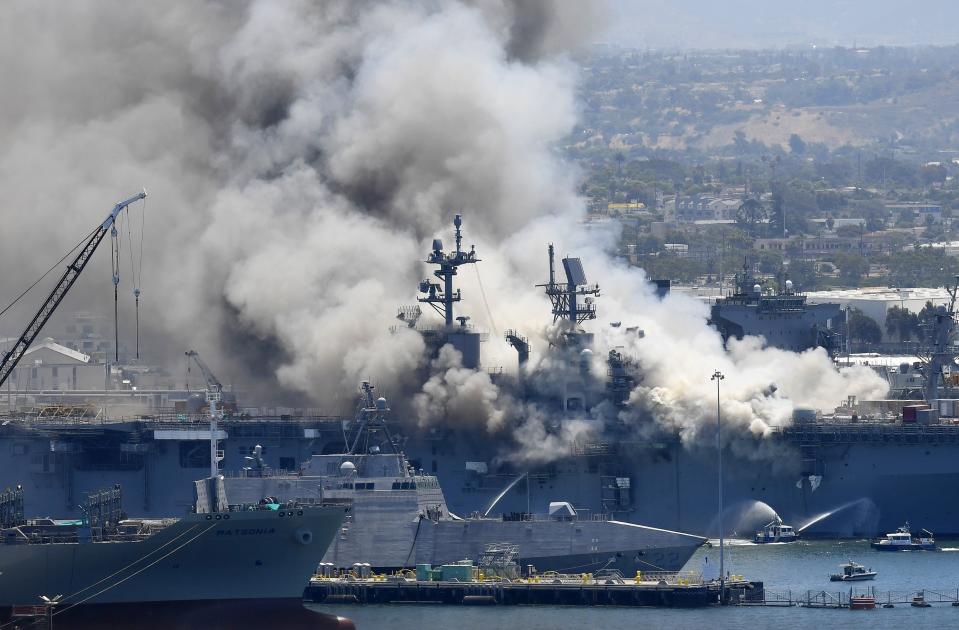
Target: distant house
pixel 706 207
pixel 922 213
pixel 52 366
pixel 818 245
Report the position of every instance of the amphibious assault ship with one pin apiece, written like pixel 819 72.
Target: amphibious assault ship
pixel 839 475
pixel 784 319
pixel 400 517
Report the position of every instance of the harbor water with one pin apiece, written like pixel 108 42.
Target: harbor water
pixel 787 570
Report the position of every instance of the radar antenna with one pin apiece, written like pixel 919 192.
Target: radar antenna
pixel 564 297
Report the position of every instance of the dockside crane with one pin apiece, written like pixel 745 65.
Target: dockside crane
pixel 214 395
pixel 13 356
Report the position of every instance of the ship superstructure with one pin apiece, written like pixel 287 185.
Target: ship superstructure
pixel 784 319
pixel 442 297
pixel 400 517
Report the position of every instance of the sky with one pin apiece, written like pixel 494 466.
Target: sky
pixel 711 24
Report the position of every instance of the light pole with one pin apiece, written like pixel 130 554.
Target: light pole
pixel 718 376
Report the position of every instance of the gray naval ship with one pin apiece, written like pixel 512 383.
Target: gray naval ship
pixel 851 473
pixel 400 517
pixel 232 558
pixel 784 319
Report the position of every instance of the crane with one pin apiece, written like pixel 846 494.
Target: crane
pixel 214 394
pixel 73 270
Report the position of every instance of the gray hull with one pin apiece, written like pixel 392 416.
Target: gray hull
pixel 251 555
pixel 878 483
pixel 570 547
pixel 400 520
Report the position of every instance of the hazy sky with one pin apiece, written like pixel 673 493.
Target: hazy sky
pixel 774 23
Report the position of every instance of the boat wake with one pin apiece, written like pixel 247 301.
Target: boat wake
pixel 732 542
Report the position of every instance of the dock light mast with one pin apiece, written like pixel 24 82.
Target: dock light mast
pixel 13 356
pixel 718 376
pixel 214 394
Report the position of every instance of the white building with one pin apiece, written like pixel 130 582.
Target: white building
pixel 875 301
pixel 52 366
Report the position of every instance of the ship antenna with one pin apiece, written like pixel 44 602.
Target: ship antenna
pixel 442 296
pixel 457 222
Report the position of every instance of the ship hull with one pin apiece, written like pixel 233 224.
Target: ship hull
pixel 838 490
pixel 866 486
pixel 912 547
pixel 257 555
pixel 187 615
pixel 387 529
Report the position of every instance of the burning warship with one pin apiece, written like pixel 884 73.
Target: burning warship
pixel 860 471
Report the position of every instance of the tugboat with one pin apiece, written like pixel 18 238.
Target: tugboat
pixel 775 532
pixel 903 540
pixel 853 572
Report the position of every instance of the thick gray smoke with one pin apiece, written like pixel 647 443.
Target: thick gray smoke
pixel 298 156
pixel 301 155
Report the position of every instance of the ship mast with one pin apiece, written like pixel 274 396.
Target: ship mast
pixel 370 418
pixel 564 297
pixel 443 298
pixel 942 353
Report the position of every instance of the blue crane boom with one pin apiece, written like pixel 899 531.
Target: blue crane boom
pixel 11 358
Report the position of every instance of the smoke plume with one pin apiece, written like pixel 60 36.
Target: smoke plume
pixel 300 156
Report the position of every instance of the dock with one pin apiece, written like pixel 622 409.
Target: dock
pixel 556 590
pixel 845 599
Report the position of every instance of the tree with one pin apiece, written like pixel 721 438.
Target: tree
pixel 777 217
pixel 750 215
pixel 901 322
pixel 863 328
pixel 926 322
pixel 803 275
pixel 796 145
pixel 851 268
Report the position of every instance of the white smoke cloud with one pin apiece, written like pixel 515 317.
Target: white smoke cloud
pixel 300 156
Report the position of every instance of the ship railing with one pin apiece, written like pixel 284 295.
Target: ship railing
pixel 580 517
pixel 691 578
pixel 673 578
pixel 593 448
pixel 868 431
pixel 265 472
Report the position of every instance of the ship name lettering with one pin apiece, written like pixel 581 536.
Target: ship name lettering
pixel 254 531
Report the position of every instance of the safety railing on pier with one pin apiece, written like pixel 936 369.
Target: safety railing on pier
pixel 842 598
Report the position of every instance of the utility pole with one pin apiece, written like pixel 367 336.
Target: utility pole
pixel 718 376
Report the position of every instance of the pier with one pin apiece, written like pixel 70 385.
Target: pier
pixel 556 590
pixel 844 599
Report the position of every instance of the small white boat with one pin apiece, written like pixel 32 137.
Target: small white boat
pixel 776 532
pixel 853 572
pixel 903 540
